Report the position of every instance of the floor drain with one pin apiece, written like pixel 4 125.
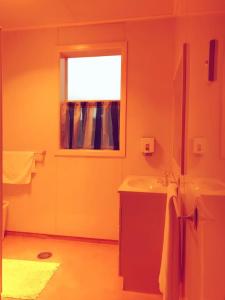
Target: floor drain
pixel 44 255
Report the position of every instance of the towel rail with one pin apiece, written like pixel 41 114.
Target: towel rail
pixel 40 152
pixel 177 208
pixel 40 156
pixel 193 217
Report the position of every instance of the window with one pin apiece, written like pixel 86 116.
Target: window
pixel 101 74
pixel 93 98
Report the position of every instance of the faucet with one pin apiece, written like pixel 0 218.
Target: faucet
pixel 164 180
pixel 169 177
pixel 166 175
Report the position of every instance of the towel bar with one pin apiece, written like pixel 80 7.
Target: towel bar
pixel 192 217
pixel 40 152
pixel 40 156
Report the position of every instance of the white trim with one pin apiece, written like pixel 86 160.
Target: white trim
pixel 88 23
pixel 121 46
pixel 199 14
pixel 173 15
pixel 90 153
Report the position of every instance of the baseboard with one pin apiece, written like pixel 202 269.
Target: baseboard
pixel 62 237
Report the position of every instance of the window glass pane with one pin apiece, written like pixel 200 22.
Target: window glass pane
pixel 94 78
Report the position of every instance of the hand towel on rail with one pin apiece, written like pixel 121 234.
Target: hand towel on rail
pixel 18 166
pixel 169 281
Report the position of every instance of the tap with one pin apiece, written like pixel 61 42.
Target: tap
pixel 169 177
pixel 166 175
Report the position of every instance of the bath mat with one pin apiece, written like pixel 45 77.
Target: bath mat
pixel 25 279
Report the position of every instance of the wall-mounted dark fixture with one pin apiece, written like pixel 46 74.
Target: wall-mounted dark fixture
pixel 213 44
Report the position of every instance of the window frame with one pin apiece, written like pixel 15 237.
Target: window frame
pixel 85 50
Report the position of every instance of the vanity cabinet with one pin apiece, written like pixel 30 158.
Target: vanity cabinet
pixel 142 217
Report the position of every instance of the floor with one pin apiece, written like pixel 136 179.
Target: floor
pixel 88 271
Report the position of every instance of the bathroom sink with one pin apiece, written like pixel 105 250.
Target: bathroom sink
pixel 149 184
pixel 211 184
pixel 208 185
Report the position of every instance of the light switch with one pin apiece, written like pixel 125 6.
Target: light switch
pixel 199 145
pixel 147 145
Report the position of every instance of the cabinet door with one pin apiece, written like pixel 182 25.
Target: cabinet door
pixel 205 251
pixel 142 224
pixel 121 240
pixel 0 161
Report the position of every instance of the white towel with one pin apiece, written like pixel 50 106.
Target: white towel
pixel 169 277
pixel 18 166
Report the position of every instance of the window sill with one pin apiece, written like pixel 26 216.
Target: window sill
pixel 90 153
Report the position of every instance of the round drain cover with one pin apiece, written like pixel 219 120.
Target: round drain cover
pixel 44 255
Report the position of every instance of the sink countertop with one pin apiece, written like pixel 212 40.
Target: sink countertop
pixel 143 184
pixel 206 186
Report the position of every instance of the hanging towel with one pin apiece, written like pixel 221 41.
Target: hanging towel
pixel 169 281
pixel 18 166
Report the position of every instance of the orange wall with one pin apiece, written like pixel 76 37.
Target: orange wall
pixel 25 13
pixel 184 7
pixel 77 195
pixel 203 119
pixel 1 152
pixel 204 98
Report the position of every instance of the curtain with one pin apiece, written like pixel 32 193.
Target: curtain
pixel 90 125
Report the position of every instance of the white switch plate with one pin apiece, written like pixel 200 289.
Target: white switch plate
pixel 199 145
pixel 147 145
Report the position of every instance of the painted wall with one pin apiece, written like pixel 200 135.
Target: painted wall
pixel 78 195
pixel 1 152
pixel 205 100
pixel 204 119
pixel 23 14
pixel 190 7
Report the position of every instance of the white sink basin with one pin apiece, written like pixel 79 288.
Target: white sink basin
pixel 212 184
pixel 146 183
pixel 149 184
pixel 208 185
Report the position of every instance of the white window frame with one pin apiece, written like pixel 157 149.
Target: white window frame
pixel 83 50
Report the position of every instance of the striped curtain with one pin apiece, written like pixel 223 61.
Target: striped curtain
pixel 90 125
